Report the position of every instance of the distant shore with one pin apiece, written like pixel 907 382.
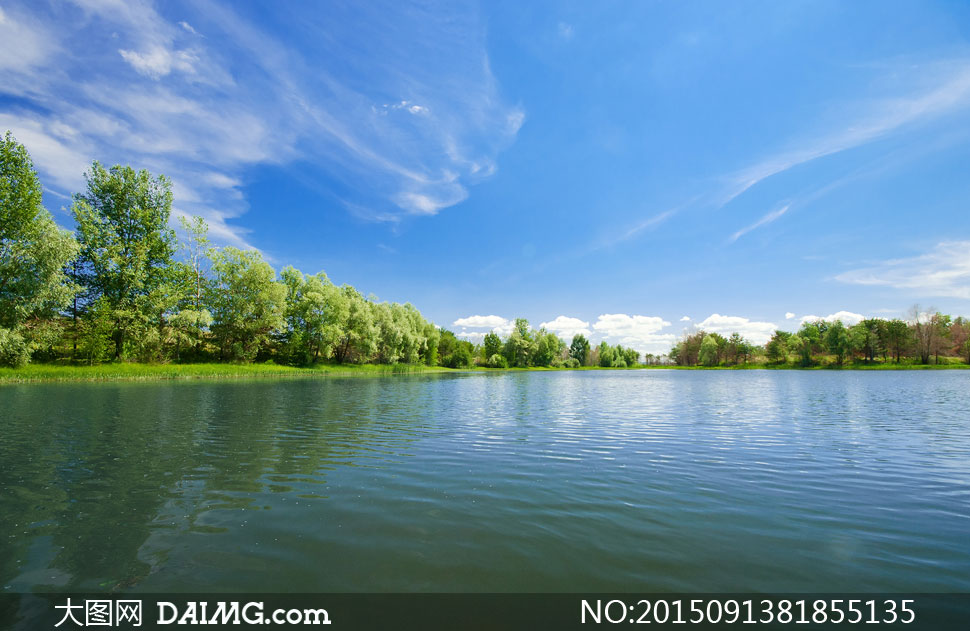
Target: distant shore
pixel 48 373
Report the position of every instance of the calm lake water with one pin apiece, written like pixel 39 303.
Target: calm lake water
pixel 561 481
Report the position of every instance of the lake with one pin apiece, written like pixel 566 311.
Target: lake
pixel 652 480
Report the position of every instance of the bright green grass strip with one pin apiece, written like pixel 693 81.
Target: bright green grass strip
pixel 154 372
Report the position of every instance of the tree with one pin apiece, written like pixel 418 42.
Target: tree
pixel 191 323
pixel 837 341
pixel 579 349
pixel 126 247
pixel 247 303
pixel 33 256
pixel 521 344
pixel 897 337
pixel 924 332
pixel 312 315
pixel 606 355
pixel 941 334
pixel 548 348
pixel 491 345
pixel 776 350
pixel 810 339
pixel 709 350
pixel 867 336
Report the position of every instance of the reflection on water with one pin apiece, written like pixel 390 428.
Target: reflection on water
pixel 560 481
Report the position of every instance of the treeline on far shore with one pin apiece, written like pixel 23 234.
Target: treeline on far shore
pixel 924 338
pixel 124 288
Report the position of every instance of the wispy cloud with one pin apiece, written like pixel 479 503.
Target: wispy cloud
pixel 951 90
pixel 767 219
pixel 943 271
pixel 205 101
pixel 938 89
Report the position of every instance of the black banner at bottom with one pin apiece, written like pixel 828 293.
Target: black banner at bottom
pixel 352 612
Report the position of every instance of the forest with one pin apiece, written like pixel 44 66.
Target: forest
pixel 123 287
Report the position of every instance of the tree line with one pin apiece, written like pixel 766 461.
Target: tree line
pixel 925 337
pixel 124 287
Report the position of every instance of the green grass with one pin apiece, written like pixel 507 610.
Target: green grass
pixel 157 372
pixel 38 373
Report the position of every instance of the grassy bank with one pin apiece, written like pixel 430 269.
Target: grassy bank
pixel 160 372
pixel 39 373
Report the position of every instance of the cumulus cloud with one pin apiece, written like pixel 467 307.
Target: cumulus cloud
pixel 482 322
pixel 637 331
pixel 848 318
pixel 943 271
pixel 755 332
pixel 497 324
pixel 566 327
pixel 685 319
pixel 789 315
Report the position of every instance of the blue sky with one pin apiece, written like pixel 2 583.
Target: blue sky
pixel 626 169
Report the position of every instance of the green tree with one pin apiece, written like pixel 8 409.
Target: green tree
pixel 520 345
pixel 312 316
pixel 548 348
pixel 579 349
pixel 491 345
pixel 126 247
pixel 709 352
pixel 897 337
pixel 191 323
pixel 247 303
pixel 837 341
pixel 776 350
pixel 33 256
pixel 866 337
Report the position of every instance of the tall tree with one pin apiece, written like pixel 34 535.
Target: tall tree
pixel 837 341
pixel 897 338
pixel 126 247
pixel 33 254
pixel 924 332
pixel 491 345
pixel 579 349
pixel 247 303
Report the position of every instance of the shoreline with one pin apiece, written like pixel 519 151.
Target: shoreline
pixel 47 373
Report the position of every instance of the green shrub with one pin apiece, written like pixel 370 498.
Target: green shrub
pixel 14 349
pixel 498 361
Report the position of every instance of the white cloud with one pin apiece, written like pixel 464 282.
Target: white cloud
pixel 767 219
pixel 482 322
pixel 789 315
pixel 944 271
pixel 637 331
pixel 755 332
pixel 566 327
pixel 497 324
pixel 685 319
pixel 159 61
pixel 848 318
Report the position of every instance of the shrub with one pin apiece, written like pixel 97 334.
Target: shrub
pixel 498 361
pixel 14 349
